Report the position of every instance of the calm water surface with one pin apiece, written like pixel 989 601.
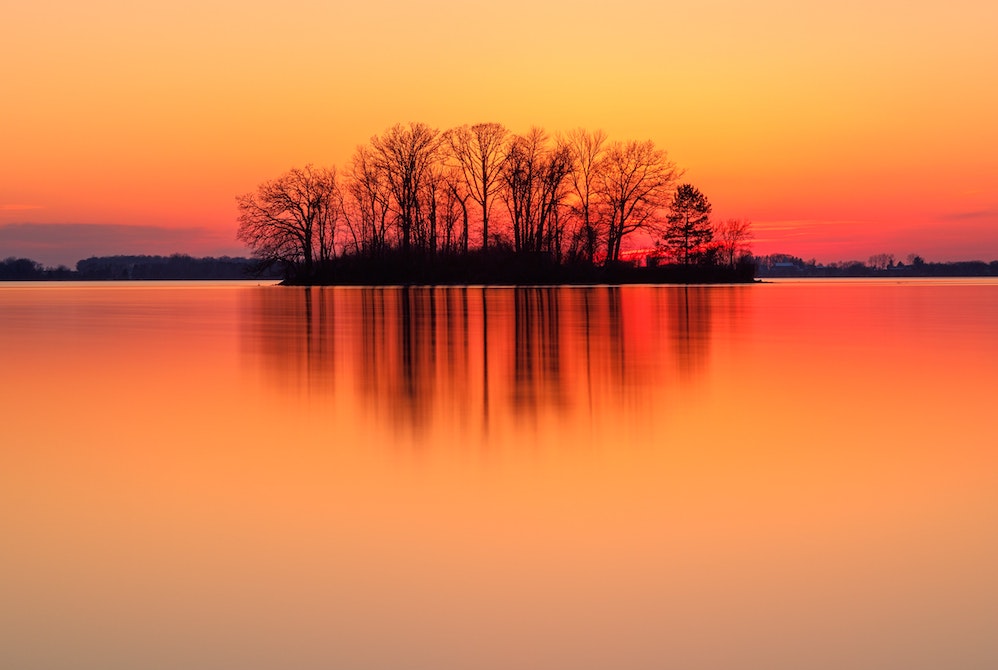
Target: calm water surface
pixel 788 475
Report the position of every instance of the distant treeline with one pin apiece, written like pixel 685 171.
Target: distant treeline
pixel 177 266
pixel 880 265
pixel 495 266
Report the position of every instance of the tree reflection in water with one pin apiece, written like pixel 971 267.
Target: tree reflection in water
pixel 473 357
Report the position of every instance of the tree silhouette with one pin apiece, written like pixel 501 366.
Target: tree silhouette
pixel 402 212
pixel 292 219
pixel 732 236
pixel 635 180
pixel 688 230
pixel 480 151
pixel 455 208
pixel 405 156
pixel 367 211
pixel 586 150
pixel 534 174
pixel 881 261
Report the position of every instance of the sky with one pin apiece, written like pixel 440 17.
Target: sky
pixel 840 131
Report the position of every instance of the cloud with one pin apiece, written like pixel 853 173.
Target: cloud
pixel 810 230
pixel 16 207
pixel 54 244
pixel 974 215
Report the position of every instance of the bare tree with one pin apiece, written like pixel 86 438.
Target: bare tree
pixel 479 151
pixel 292 219
pixel 519 176
pixel 634 181
pixel 534 174
pixel 405 156
pixel 434 192
pixel 881 261
pixel 732 236
pixel 367 214
pixel 586 149
pixel 455 207
pixel 556 167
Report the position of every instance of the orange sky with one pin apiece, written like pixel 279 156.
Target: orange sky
pixel 840 131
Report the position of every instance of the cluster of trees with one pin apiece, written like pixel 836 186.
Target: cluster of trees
pixel 20 268
pixel 878 265
pixel 415 191
pixel 176 266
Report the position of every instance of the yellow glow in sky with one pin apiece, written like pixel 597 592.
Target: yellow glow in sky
pixel 858 127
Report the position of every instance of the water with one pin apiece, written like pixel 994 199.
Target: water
pixel 789 475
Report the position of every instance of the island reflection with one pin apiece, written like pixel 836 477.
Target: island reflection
pixel 474 357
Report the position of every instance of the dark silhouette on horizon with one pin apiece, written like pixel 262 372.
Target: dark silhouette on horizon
pixel 495 267
pixel 174 267
pixel 879 265
pixel 419 206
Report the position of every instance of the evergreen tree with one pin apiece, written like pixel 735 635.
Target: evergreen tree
pixel 688 232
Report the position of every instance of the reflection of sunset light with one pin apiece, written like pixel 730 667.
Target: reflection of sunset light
pixel 785 475
pixel 423 355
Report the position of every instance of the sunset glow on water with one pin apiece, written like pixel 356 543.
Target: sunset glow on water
pixel 783 475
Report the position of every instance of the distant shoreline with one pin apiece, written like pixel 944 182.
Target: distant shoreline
pixel 483 270
pixel 799 269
